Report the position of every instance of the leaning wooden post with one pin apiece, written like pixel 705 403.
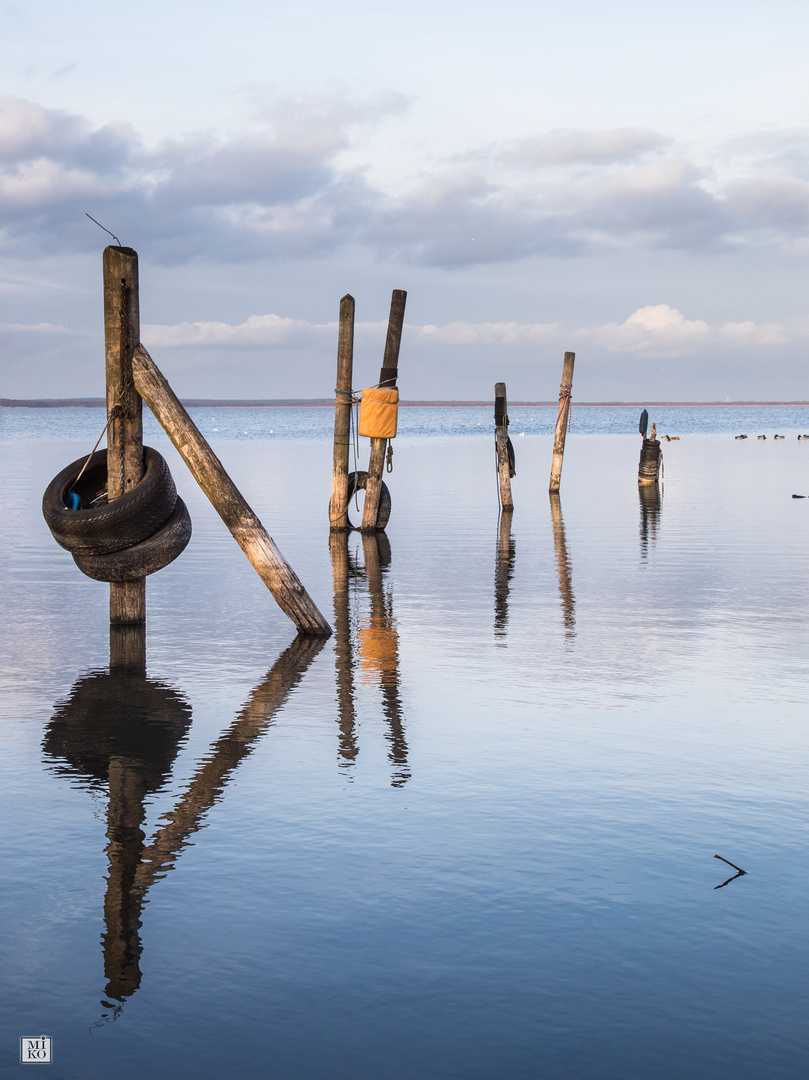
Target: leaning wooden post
pixel 561 421
pixel 338 505
pixel 504 459
pixel 124 410
pixel 387 381
pixel 227 500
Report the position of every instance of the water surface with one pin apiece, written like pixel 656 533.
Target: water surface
pixel 473 834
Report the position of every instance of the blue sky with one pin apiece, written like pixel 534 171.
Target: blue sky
pixel 627 180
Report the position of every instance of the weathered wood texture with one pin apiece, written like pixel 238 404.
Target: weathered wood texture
pixel 501 445
pixel 338 505
pixel 387 379
pixel 559 435
pixel 124 410
pixel 227 500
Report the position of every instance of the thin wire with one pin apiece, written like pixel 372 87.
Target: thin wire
pixel 106 230
pixel 110 418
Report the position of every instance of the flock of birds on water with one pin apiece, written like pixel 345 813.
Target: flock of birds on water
pixel 800 437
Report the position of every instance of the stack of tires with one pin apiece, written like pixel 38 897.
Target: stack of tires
pixel 123 540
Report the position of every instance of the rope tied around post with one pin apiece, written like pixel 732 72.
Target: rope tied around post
pixel 565 399
pixel 389 458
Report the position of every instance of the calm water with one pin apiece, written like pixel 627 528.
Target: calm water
pixel 472 835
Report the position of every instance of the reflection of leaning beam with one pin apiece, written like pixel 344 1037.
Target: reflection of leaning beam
pixel 226 753
pixel 563 563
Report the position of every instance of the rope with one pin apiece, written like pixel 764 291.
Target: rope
pixel 115 413
pixel 565 395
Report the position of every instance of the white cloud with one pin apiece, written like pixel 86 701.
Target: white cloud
pixel 654 330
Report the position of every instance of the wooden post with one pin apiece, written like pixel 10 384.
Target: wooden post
pixel 650 455
pixel 387 381
pixel 227 500
pixel 504 459
pixel 338 505
pixel 125 433
pixel 561 421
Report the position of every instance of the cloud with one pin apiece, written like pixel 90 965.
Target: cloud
pixel 654 330
pixel 281 188
pixel 570 147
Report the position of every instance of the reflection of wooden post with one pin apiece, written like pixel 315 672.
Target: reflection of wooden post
pixel 563 564
pixel 122 907
pixel 504 469
pixel 343 656
pixel 128 647
pixel 227 500
pixel 504 569
pixel 338 506
pixel 379 645
pixel 125 433
pixel 650 503
pixel 560 431
pixel 387 381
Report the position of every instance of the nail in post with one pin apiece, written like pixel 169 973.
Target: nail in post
pixel 387 381
pixel 125 433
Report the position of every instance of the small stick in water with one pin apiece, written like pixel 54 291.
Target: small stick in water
pixel 735 867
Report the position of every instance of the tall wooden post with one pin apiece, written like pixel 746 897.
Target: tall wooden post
pixel 501 441
pixel 561 421
pixel 338 505
pixel 387 381
pixel 125 433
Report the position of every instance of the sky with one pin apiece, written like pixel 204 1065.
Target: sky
pixel 626 180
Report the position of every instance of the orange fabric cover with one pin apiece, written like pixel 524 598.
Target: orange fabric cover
pixel 379 413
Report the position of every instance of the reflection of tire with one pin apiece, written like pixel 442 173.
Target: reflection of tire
pixel 145 558
pixel 118 714
pixel 112 526
pixel 356 481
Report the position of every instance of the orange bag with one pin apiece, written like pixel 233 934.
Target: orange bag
pixel 379 413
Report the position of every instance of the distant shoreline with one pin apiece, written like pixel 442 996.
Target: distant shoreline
pixel 322 403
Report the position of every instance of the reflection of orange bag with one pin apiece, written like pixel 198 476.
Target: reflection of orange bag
pixel 379 412
pixel 378 652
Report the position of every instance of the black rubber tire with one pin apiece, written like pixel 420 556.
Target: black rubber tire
pixel 113 526
pixel 383 511
pixel 145 558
